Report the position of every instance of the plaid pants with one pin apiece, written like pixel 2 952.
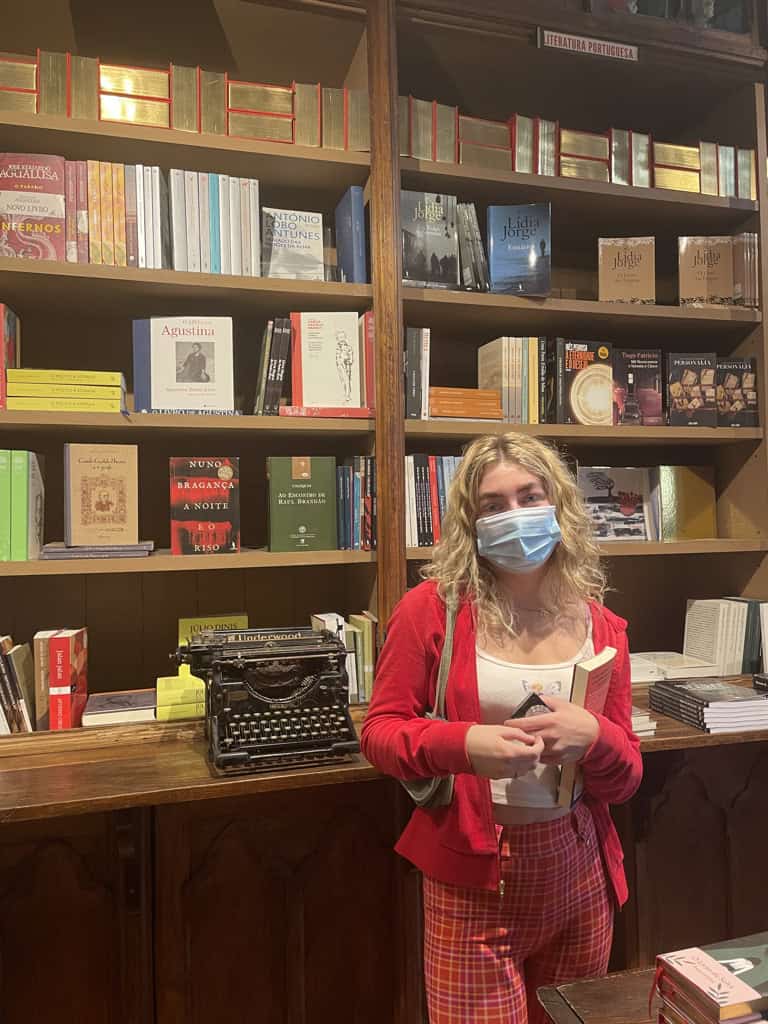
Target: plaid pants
pixel 485 955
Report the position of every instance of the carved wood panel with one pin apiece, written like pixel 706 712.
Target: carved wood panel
pixel 285 906
pixel 75 942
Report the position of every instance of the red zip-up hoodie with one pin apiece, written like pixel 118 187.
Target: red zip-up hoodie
pixel 458 844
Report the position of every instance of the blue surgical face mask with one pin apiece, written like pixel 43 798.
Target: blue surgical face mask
pixel 519 540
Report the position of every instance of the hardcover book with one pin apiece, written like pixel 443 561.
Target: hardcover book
pixel 205 506
pixel 68 677
pixel 691 389
pixel 706 270
pixel 27 505
pixel 589 689
pixel 618 502
pixel 584 383
pixel 683 502
pixel 627 270
pixel 302 503
pixel 350 236
pixel 101 494
pixel 292 245
pixel 32 206
pixel 327 366
pixel 637 390
pixel 520 249
pixel 736 393
pixel 429 240
pixel 119 707
pixel 183 363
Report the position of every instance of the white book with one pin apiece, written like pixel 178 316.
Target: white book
pixel 245 227
pixel 149 231
pixel 224 221
pixel 293 244
pixel 425 348
pixel 253 190
pixel 235 244
pixel 184 363
pixel 669 665
pixel 326 359
pixel 178 220
pixel 618 501
pixel 205 221
pixel 737 638
pixel 157 221
pixel 192 203
pixel 140 215
pixel 704 636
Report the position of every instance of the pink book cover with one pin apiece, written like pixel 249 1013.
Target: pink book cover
pixel 82 211
pixel 32 206
pixel 70 210
pixel 712 978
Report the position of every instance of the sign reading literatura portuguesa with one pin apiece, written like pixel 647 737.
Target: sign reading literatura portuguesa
pixel 586 45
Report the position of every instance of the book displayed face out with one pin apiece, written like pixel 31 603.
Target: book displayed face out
pixel 627 270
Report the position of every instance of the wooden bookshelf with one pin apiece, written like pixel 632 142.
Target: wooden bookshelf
pixel 622 436
pixel 621 549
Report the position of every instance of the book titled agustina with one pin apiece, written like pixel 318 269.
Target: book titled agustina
pixel 205 505
pixel 520 249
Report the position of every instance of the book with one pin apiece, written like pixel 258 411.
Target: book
pixel 40 403
pixel 5 505
pixel 683 502
pixel 327 366
pixel 339 626
pixel 183 364
pixel 637 390
pixel 10 348
pixel 584 383
pixel 102 378
pixel 183 688
pixel 74 391
pixel 101 488
pixel 58 551
pixel 205 505
pixel 32 206
pixel 520 249
pixel 40 651
pixel 709 632
pixel 691 394
pixel 302 503
pixel 618 502
pixel 178 712
pixel 589 689
pixel 27 501
pixel 736 393
pixel 350 236
pixel 22 669
pixel 672 665
pixel 119 707
pixel 68 677
pixel 627 269
pixel 429 239
pixel 292 244
pixel 705 269
pixel 189 628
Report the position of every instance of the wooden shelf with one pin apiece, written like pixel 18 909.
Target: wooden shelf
pixel 146 425
pixel 163 561
pixel 623 436
pixel 70 287
pixel 617 549
pixel 287 166
pixel 442 309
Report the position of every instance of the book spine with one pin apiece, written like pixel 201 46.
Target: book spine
pixel 118 215
pixel 107 214
pixel 413 379
pixel 426 340
pixel 225 221
pixel 434 498
pixel 297 387
pixel 374 506
pixel 368 503
pixel 542 379
pixel 149 231
pixel 255 226
pixel 10 711
pixel 142 366
pixel 25 721
pixel 235 240
pixel 178 220
pixel 131 218
pixel 245 227
pixel 19 505
pixel 141 217
pixel 70 211
pixel 177 712
pixel 94 212
pixel 369 356
pixel 48 404
pixel 192 207
pixel 106 378
pixel 524 413
pixel 60 674
pixel 288 353
pixel 159 216
pixel 204 202
pixel 42 685
pixel 560 406
pixel 340 540
pixel 5 505
pixel 214 217
pixel 326 411
pixel 441 488
pixel 82 211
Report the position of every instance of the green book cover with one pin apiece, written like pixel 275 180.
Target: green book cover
pixel 5 505
pixel 19 506
pixel 302 503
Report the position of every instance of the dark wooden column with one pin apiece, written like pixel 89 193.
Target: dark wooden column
pixel 386 267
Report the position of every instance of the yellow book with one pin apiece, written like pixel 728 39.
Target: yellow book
pixel 533 380
pixel 183 688
pixel 94 212
pixel 191 627
pixel 686 496
pixel 107 215
pixel 27 390
pixel 110 378
pixel 66 404
pixel 118 214
pixel 176 712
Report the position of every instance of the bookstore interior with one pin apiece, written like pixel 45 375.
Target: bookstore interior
pixel 267 268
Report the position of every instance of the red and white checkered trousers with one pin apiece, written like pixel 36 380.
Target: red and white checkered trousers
pixel 485 955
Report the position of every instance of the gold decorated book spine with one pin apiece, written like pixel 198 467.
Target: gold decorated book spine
pixel 84 88
pixel 53 83
pixel 404 125
pixel 268 127
pixel 726 168
pixel 621 153
pixel 261 99
pixel 333 118
pixel 675 178
pixel 359 121
pixel 185 113
pixel 641 160
pixel 18 83
pixel 708 160
pixel 153 113
pixel 584 144
pixel 145 83
pixel 94 212
pixel 307 114
pixel 523 144
pixel 685 157
pixel 118 214
pixel 107 214
pixel 483 133
pixel 213 103
pixel 493 158
pixel 421 129
pixel 578 167
pixel 746 181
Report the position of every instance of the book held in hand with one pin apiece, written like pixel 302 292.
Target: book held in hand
pixel 205 506
pixel 520 249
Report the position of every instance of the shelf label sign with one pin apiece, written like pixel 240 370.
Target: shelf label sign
pixel 585 44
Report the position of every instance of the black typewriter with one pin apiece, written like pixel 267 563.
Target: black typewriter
pixel 275 698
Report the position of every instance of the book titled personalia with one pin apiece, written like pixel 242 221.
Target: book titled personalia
pixel 584 382
pixel 101 487
pixel 32 206
pixel 292 245
pixel 637 388
pixel 183 364
pixel 727 979
pixel 691 389
pixel 205 506
pixel 302 503
pixel 736 393
pixel 520 249
pixel 430 240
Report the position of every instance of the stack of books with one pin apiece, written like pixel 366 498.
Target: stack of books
pixel 642 723
pixel 710 705
pixel 66 390
pixel 649 666
pixel 723 981
pixel 725 632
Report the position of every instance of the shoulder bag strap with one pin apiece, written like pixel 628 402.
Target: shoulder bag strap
pixel 445 660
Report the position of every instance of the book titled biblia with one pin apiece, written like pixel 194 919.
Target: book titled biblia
pixel 589 690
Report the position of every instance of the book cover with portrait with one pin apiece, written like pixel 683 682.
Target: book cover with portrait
pixel 101 494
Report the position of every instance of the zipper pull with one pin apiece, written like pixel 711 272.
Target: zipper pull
pixel 502 888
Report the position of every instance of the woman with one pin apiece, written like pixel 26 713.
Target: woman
pixel 518 891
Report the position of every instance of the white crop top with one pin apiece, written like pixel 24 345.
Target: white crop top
pixel 502 685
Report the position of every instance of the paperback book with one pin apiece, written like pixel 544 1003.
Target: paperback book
pixel 691 389
pixel 637 390
pixel 520 249
pixel 327 365
pixel 101 487
pixel 429 240
pixel 618 502
pixel 302 503
pixel 705 265
pixel 292 245
pixel 584 382
pixel 68 677
pixel 591 680
pixel 32 206
pixel 627 270
pixel 736 393
pixel 119 707
pixel 205 506
pixel 10 348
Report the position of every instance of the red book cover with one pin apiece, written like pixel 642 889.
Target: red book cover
pixel 82 212
pixel 67 677
pixel 326 411
pixel 32 206
pixel 433 498
pixel 9 349
pixel 70 210
pixel 205 506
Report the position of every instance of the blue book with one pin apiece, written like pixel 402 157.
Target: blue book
pixel 350 236
pixel 214 219
pixel 520 249
pixel 142 365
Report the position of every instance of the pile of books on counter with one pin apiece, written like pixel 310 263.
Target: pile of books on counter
pixel 710 705
pixel 642 723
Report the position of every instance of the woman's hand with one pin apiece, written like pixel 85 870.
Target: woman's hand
pixel 502 752
pixel 568 732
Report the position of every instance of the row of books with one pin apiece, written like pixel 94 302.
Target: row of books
pixel 727 633
pixel 43 685
pixel 132 215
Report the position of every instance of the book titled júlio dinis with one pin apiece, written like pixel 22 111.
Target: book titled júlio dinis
pixel 705 266
pixel 292 245
pixel 101 487
pixel 302 503
pixel 627 270
pixel 205 505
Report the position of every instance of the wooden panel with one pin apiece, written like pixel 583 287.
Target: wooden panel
pixel 291 885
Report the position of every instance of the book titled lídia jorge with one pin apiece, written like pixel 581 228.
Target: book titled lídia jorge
pixel 205 505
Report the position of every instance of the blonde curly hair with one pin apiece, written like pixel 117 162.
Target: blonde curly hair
pixel 574 572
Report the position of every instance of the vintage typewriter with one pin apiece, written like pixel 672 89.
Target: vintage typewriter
pixel 275 698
